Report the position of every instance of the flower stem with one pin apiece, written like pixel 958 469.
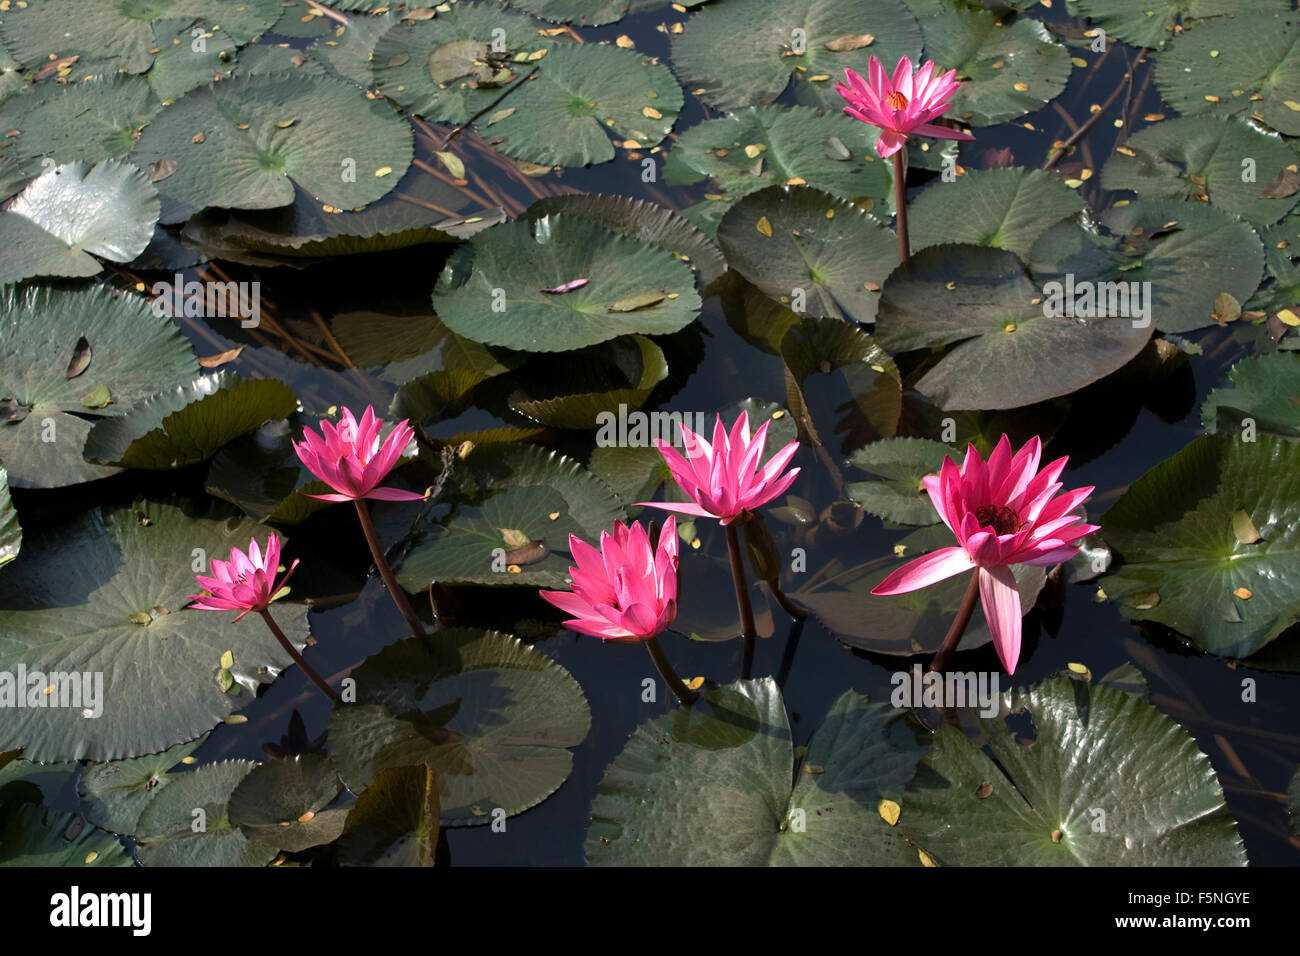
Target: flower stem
pixel 306 668
pixel 394 589
pixel 900 205
pixel 684 694
pixel 959 623
pixel 742 593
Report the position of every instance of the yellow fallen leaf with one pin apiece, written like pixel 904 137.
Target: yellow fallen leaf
pixel 890 812
pixel 764 227
pixel 1243 593
pixel 625 42
pixel 926 859
pixel 651 112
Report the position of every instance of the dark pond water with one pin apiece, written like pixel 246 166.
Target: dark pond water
pixel 1112 438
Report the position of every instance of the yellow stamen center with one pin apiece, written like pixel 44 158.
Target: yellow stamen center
pixel 896 101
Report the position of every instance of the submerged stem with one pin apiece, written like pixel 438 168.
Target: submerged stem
pixel 394 589
pixel 292 651
pixel 742 593
pixel 900 205
pixel 684 694
pixel 958 627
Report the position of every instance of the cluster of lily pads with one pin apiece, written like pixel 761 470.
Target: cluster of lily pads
pixel 142 146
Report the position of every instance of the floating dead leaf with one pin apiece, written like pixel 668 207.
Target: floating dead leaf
pixel 651 112
pixel 813 768
pixel 199 138
pixel 1226 308
pixel 307 817
pixel 984 790
pixel 228 660
pixel 1056 836
pixel 1146 601
pixel 80 360
pixel 1285 183
pixel 695 683
pixel 1079 669
pixel 97 398
pixel 1287 317
pixel 532 169
pixel 161 170
pixel 528 553
pixel 52 67
pixel 796 181
pixel 1244 593
pixel 513 537
pixel 140 617
pixel 420 13
pixel 500 115
pixel 754 149
pixel 642 300
pixel 850 41
pixel 221 358
pixel 1289 104
pixel 764 227
pixel 285 124
pixel 836 149
pixel 566 287
pixel 889 811
pixel 452 162
pixel 1244 528
pixel 624 41
pixel 926 859
pixel 1020 87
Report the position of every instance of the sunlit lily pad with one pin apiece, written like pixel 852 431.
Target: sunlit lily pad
pixel 896 493
pixel 1181 562
pixel 1007 353
pixel 134 353
pixel 1104 779
pixel 72 213
pixel 511 264
pixel 1221 65
pixel 711 785
pixel 106 594
pixel 1152 23
pixel 811 251
pixel 535 495
pixel 189 423
pixel 114 794
pixel 244 143
pixel 187 824
pixel 1264 389
pixel 1004 208
pixel 1189 252
pixel 1169 154
pixel 579 98
pixel 744 54
pixel 1006 69
pixel 494 716
pixel 771 145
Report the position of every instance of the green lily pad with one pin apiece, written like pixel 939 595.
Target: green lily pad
pixel 190 423
pixel 830 151
pixel 744 54
pixel 634 473
pixel 1107 780
pixel 581 95
pixel 517 489
pixel 90 121
pixel 114 794
pixel 187 824
pixel 1189 252
pixel 348 54
pixel 292 135
pixel 1007 353
pixel 1182 565
pixel 281 803
pixel 300 20
pixel 1003 208
pixel 1263 388
pixel 261 474
pixel 1006 69
pixel 11 533
pixel 824 346
pixel 904 624
pixel 899 464
pixel 186 61
pixel 635 366
pixel 591 13
pixel 643 221
pixel 1151 24
pixel 797 243
pixel 120 36
pixel 33 835
pixel 1211 149
pixel 1221 66
pixel 395 821
pixel 512 263
pixel 134 353
pixel 106 594
pixel 493 716
pixel 72 213
pixel 712 784
pixel 22 781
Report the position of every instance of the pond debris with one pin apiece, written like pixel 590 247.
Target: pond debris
pixel 764 227
pixel 1243 528
pixel 564 287
pixel 984 790
pixel 641 300
pixel 80 361
pixel 889 811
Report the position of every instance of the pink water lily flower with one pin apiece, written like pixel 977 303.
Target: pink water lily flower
pixel 903 104
pixel 626 590
pixel 350 458
pixel 1003 512
pixel 723 478
pixel 244 583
